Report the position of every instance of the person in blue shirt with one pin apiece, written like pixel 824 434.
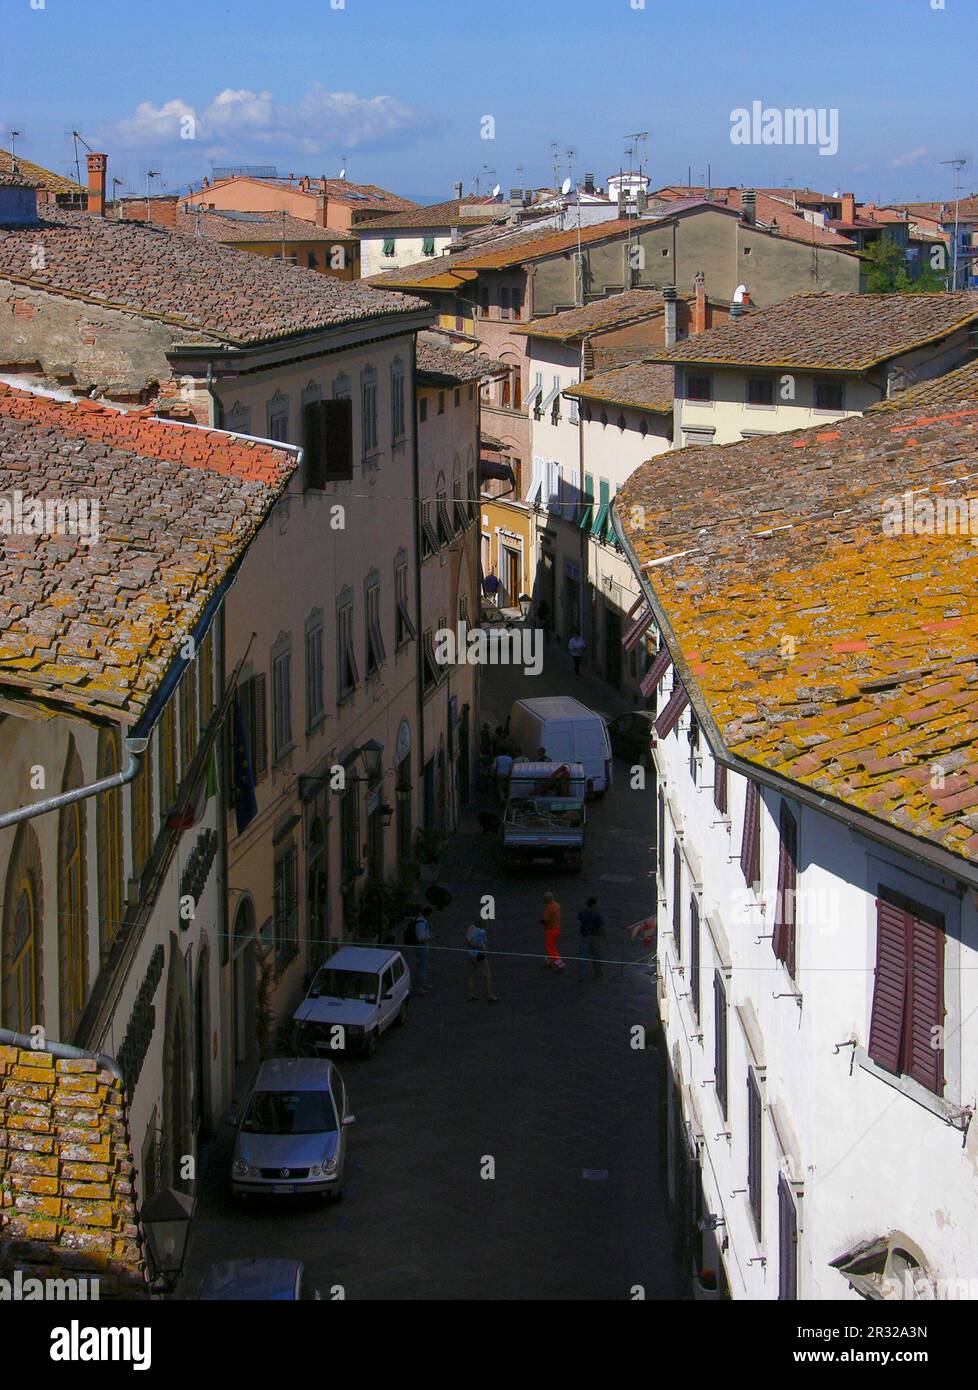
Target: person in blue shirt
pixel 477 940
pixel 592 933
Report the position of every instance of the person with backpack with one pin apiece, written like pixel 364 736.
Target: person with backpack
pixel 477 940
pixel 592 934
pixel 417 936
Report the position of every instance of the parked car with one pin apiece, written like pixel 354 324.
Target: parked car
pixel 353 999
pixel 257 1280
pixel 631 736
pixel 291 1130
pixel 567 732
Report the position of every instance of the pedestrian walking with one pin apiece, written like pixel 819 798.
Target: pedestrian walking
pixel 592 934
pixel 543 618
pixel 502 769
pixel 577 647
pixel 417 937
pixel 550 921
pixel 477 939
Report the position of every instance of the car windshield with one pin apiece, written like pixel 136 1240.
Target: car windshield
pixel 290 1112
pixel 346 984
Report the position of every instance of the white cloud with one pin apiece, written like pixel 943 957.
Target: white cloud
pixel 318 122
pixel 900 161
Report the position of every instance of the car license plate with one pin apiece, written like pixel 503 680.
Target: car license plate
pixel 284 1187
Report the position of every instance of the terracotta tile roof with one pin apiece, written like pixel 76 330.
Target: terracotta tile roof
pixel 440 215
pixel 357 195
pixel 940 394
pixel 769 206
pixel 93 628
pixel 642 384
pixel 255 226
pixel 43 178
pixel 188 281
pixel 67 1206
pixel 445 364
pixel 611 312
pixel 823 648
pixel 944 211
pixel 10 179
pixel 828 331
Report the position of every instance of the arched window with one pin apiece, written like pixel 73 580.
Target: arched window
pixel 142 814
pixel 20 958
pixel 72 910
pixel 108 835
pixel 169 779
pixel 188 717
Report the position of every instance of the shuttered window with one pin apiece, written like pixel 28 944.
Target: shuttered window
pixel 750 845
pixel 754 1149
pixel 908 991
pixel 694 956
pixel 785 921
pixel 660 665
pixel 251 694
pixel 314 443
pixel 720 788
pixel 677 901
pixel 337 418
pixel 720 1040
pixel 787 1243
pixel 670 716
pixel 660 862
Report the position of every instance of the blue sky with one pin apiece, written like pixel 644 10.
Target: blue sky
pixel 397 89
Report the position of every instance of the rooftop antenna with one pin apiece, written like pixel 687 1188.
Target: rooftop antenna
pixel 77 139
pixel 484 173
pixel 150 174
pixel 13 136
pixel 519 175
pixel 117 183
pixel 555 154
pixel 957 164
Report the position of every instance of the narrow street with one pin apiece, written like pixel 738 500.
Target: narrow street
pixel 546 1083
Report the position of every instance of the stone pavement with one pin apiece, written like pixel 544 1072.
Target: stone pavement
pixel 544 1086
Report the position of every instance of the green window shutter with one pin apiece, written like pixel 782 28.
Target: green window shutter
pixel 428 246
pixel 388 246
pixel 600 525
pixel 587 510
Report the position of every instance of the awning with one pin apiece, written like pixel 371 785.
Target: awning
pixel 640 625
pixel 548 401
pixel 669 717
pixel 656 671
pixel 489 468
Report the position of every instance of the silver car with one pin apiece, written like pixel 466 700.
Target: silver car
pixel 291 1131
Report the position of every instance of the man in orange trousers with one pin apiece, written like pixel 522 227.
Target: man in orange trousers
pixel 550 921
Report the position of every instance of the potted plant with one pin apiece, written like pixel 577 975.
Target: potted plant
pixel 428 846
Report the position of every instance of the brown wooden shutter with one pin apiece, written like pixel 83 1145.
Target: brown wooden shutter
pixel 677 902
pixel 784 921
pixel 656 671
pixel 314 443
pixel 259 752
pixel 925 1006
pixel 720 1040
pixel 754 1192
pixel 890 986
pixel 672 713
pixel 694 956
pixel 787 1243
pixel 338 426
pixel 750 844
pixel 720 787
pixel 637 628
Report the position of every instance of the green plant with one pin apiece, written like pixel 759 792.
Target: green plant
pixel 428 845
pixel 263 1007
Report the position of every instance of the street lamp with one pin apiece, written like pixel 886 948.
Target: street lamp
pixel 373 760
pixel 166 1220
pixel 526 603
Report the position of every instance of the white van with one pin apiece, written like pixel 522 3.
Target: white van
pixel 353 998
pixel 568 731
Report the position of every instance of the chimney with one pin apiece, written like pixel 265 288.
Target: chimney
pixel 699 305
pixel 458 190
pixel 322 209
pixel 848 207
pixel 669 315
pixel 588 183
pixel 96 183
pixel 749 205
pixel 205 183
pixel 640 199
pixel 622 202
pixel 516 204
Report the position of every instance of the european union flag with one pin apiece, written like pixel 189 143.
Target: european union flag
pixel 245 802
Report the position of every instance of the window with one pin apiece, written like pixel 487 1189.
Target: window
pixel 188 717
pixel 660 861
pixel 677 901
pixel 205 676
pixel 441 402
pixel 398 417
pixel 784 916
pixel 429 536
pixel 423 409
pixel 446 531
pixel 573 410
pixel 622 423
pixel 368 398
pixel 908 991
pixel 787 1242
pixel 699 387
pixel 388 248
pixel 754 1117
pixel 142 814
pixel 693 736
pixel 169 778
pixel 20 960
pixel 516 300
pixel 347 674
pixel 315 694
pixel 602 520
pixel 338 443
pixel 506 392
pixel 251 696
pixel 286 907
pixel 459 510
pixel 694 956
pixel 311 262
pixel 473 494
pixel 404 629
pixel 314 446
pixel 72 911
pixel 720 1040
pixel 277 412
pixel 504 303
pixel 281 703
pixel 587 503
pixel 108 838
pixel 375 638
pixel 750 845
pixel 760 390
pixel 432 671
pixel 350 831
pixel 829 394
pixel 483 303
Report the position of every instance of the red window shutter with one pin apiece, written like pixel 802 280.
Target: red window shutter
pixel 670 716
pixel 750 844
pixel 720 787
pixel 890 986
pixel 784 924
pixel 924 1061
pixel 656 671
pixel 637 629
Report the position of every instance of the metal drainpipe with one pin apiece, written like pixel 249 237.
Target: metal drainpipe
pixel 59 1049
pixel 135 747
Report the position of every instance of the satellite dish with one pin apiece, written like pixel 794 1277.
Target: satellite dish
pixel 566 186
pixel 342 173
pixel 496 191
pixel 739 292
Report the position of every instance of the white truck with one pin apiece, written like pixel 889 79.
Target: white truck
pixel 545 817
pixel 564 730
